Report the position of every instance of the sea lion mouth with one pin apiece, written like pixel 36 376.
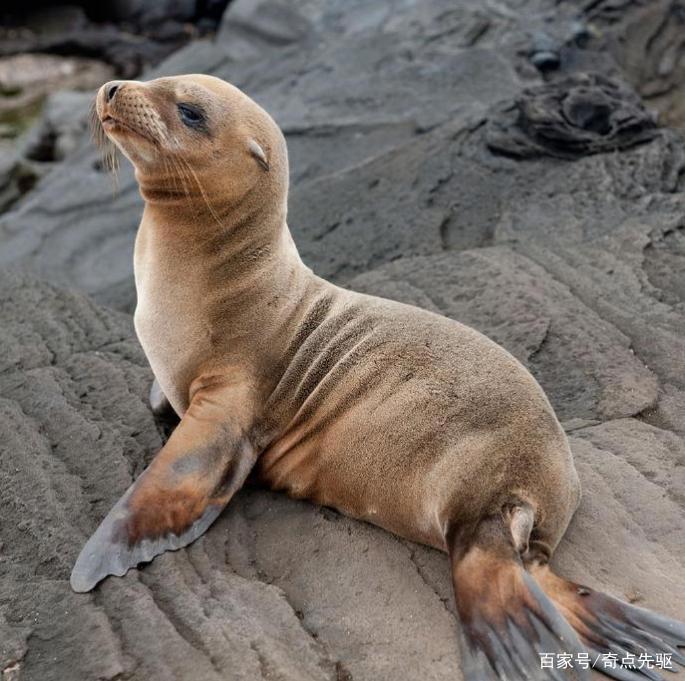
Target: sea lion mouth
pixel 111 124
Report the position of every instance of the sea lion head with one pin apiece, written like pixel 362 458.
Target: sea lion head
pixel 194 136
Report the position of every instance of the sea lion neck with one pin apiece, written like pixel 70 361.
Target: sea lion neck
pixel 165 190
pixel 237 273
pixel 183 192
pixel 235 234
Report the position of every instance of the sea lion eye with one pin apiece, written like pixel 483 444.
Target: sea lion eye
pixel 190 115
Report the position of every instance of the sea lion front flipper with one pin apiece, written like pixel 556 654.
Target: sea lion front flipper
pixel 508 623
pixel 179 495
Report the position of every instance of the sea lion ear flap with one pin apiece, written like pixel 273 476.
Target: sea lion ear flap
pixel 257 151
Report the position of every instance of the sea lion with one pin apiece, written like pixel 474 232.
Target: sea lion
pixel 384 411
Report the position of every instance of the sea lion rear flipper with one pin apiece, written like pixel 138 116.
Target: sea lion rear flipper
pixel 179 495
pixel 611 628
pixel 508 623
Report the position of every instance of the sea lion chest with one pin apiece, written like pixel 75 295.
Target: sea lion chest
pixel 168 315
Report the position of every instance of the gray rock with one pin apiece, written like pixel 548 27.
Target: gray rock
pixel 74 429
pixel 279 588
pixel 544 52
pixel 62 129
pixel 572 117
pixel 132 10
pixel 430 164
pixel 58 32
pixel 339 96
pixel 9 192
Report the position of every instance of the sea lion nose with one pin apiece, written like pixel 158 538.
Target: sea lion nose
pixel 111 89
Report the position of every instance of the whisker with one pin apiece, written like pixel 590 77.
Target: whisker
pixel 109 156
pixel 183 176
pixel 188 180
pixel 171 174
pixel 203 193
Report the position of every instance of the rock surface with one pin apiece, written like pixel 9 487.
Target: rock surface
pixel 433 161
pixel 126 34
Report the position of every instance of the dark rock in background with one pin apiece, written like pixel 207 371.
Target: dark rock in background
pixel 571 117
pixel 432 162
pixel 128 34
pixel 26 82
pixel 46 48
pixel 645 38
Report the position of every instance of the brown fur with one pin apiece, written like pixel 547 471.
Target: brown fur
pixel 384 411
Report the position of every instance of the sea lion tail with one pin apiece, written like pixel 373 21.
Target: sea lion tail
pixel 523 623
pixel 508 622
pixel 612 630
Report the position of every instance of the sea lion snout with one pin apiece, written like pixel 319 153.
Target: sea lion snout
pixel 129 117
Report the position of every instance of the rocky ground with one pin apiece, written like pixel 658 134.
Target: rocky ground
pixel 514 164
